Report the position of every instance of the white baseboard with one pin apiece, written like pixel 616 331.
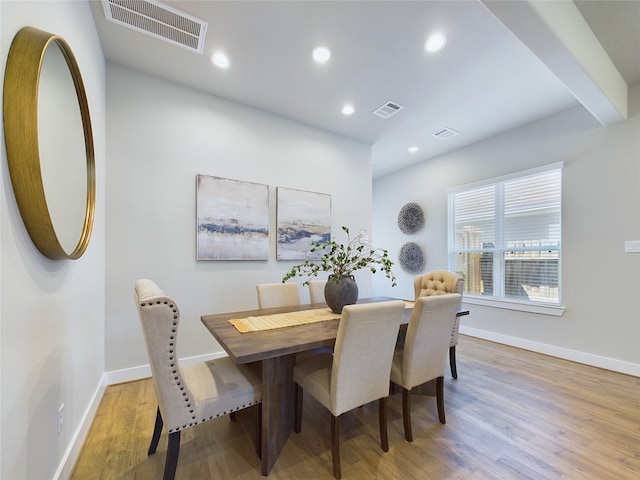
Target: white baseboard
pixel 110 378
pixel 144 371
pixel 79 436
pixel 607 363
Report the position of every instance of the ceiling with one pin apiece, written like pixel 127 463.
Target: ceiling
pixel 487 79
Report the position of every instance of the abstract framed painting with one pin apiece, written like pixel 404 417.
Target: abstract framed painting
pixel 302 217
pixel 232 219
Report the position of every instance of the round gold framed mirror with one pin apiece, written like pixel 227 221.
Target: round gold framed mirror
pixel 49 143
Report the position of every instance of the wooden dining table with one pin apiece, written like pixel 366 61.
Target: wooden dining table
pixel 273 353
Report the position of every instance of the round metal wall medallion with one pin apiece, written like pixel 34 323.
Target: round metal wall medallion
pixel 411 258
pixel 410 218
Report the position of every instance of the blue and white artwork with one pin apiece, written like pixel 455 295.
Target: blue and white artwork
pixel 302 217
pixel 232 219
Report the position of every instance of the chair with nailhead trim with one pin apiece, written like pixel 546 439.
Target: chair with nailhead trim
pixel 440 282
pixel 192 394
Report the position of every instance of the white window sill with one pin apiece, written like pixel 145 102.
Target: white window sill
pixel 553 310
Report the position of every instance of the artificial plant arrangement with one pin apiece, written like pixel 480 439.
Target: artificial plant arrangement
pixel 341 259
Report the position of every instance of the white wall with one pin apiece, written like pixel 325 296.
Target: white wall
pixel 160 136
pixel 51 312
pixel 601 209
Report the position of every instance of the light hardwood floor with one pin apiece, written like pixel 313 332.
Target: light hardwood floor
pixel 512 414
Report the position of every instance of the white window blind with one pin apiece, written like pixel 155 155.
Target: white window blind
pixel 505 237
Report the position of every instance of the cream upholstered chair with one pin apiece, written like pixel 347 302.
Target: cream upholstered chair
pixel 424 354
pixel 193 394
pixel 357 373
pixel 272 295
pixel 439 282
pixel 316 291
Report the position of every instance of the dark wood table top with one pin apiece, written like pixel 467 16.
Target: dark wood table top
pixel 254 346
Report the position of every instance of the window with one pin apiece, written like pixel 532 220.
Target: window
pixel 505 237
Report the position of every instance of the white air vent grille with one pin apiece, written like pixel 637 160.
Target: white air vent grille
pixel 388 109
pixel 445 133
pixel 158 20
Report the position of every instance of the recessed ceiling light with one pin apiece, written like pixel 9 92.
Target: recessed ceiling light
pixel 347 109
pixel 435 42
pixel 413 149
pixel 219 59
pixel 321 53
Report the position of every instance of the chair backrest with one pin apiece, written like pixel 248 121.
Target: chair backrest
pixel 316 291
pixel 273 295
pixel 363 353
pixel 437 282
pixel 428 335
pixel 160 318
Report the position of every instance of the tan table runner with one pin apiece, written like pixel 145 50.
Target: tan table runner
pixel 280 320
pixel 290 319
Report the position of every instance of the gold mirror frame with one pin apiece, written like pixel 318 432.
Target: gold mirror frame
pixel 21 80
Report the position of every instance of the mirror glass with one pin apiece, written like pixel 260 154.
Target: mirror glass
pixel 61 144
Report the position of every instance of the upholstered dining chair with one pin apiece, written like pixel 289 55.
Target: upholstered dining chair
pixel 272 295
pixel 316 291
pixel 187 396
pixel 357 373
pixel 423 357
pixel 440 282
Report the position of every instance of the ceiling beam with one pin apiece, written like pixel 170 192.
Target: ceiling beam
pixel 558 34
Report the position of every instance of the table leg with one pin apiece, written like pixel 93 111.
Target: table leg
pixel 277 407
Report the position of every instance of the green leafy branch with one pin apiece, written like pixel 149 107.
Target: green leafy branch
pixel 344 259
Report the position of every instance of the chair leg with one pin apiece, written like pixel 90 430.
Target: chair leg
pixel 157 431
pixel 452 362
pixel 382 418
pixel 258 427
pixel 440 399
pixel 393 388
pixel 406 414
pixel 335 446
pixel 172 456
pixel 298 412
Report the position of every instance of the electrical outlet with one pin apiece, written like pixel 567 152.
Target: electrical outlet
pixel 60 418
pixel 632 246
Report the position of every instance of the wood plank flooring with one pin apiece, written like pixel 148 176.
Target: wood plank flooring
pixel 512 414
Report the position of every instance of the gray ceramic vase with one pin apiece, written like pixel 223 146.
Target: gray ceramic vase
pixel 340 292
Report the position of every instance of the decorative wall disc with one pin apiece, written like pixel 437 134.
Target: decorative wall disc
pixel 411 258
pixel 410 218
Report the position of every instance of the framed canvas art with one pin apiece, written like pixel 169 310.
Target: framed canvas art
pixel 232 219
pixel 302 217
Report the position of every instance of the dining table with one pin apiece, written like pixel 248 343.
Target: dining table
pixel 272 352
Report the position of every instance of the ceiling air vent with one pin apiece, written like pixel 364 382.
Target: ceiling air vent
pixel 388 109
pixel 445 133
pixel 158 20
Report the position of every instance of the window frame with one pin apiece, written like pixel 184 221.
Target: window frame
pixel 547 308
